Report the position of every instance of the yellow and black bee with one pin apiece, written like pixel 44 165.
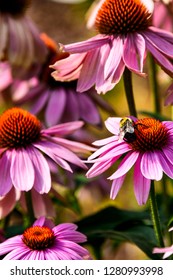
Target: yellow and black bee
pixel 127 130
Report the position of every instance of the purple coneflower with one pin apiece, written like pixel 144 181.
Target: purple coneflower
pixel 43 241
pixel 59 101
pixel 20 42
pixel 168 251
pixel 149 150
pixel 125 34
pixel 22 142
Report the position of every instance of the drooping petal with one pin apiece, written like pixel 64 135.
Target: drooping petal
pixel 109 151
pixel 88 110
pixel 125 165
pixel 99 167
pixel 116 185
pixel 165 163
pixel 160 40
pixel 89 71
pixel 141 184
pixel 71 110
pixel 151 167
pixel 161 59
pixel 134 47
pixel 8 202
pixel 5 178
pixel 55 106
pixel 113 60
pixel 68 68
pixel 42 182
pixel 22 170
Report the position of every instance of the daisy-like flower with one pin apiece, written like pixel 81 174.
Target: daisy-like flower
pixel 167 251
pixel 59 101
pixel 44 241
pixel 149 148
pixel 22 144
pixel 20 42
pixel 125 35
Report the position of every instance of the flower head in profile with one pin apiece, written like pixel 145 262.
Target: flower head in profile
pixel 125 35
pixel 167 251
pixel 44 241
pixel 22 145
pixel 58 101
pixel 147 145
pixel 20 43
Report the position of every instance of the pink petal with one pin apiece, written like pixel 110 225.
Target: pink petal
pixel 162 41
pixel 88 45
pixel 63 129
pixel 69 68
pixel 22 170
pixel 151 167
pixel 99 167
pixel 55 106
pixel 113 125
pixel 88 110
pixel 39 103
pixel 134 44
pixel 141 184
pixel 8 202
pixel 71 110
pixel 116 185
pixel 110 151
pixel 162 60
pixel 42 182
pixel 105 141
pixel 89 71
pixel 114 57
pixel 125 165
pixel 5 178
pixel 166 165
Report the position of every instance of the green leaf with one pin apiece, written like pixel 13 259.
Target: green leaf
pixel 120 226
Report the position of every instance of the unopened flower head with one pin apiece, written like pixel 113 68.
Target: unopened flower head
pixel 125 35
pixel 148 146
pixel 22 142
pixel 44 241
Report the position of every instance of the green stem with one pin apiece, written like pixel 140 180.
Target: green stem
pixel 155 216
pixel 127 77
pixel 29 206
pixel 154 85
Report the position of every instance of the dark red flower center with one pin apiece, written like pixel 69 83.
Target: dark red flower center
pixel 18 128
pixel 14 7
pixel 122 17
pixel 151 134
pixel 38 238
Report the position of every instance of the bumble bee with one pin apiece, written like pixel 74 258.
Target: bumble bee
pixel 127 130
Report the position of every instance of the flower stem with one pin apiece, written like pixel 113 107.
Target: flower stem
pixel 29 206
pixel 155 216
pixel 127 78
pixel 154 85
